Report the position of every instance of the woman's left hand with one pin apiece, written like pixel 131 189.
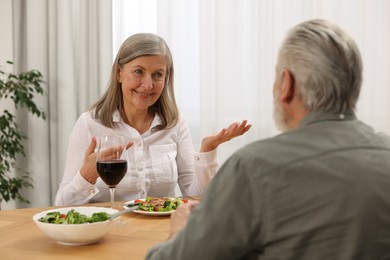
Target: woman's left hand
pixel 211 142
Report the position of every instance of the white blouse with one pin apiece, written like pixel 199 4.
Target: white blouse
pixel 158 161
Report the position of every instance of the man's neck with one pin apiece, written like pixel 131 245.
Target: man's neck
pixel 295 112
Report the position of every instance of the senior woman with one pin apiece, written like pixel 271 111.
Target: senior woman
pixel 140 104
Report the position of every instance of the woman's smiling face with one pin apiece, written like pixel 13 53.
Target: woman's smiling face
pixel 142 81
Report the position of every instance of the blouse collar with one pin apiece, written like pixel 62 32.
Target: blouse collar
pixel 117 118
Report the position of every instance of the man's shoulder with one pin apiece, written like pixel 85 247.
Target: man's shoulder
pixel 312 141
pixel 284 148
pixel 272 145
pixel 269 151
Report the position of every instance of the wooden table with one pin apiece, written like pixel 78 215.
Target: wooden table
pixel 20 238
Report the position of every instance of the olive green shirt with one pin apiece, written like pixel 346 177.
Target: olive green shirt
pixel 321 191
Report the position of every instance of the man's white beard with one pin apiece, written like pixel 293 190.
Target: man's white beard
pixel 279 116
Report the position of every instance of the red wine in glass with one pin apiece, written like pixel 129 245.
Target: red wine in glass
pixel 111 161
pixel 112 171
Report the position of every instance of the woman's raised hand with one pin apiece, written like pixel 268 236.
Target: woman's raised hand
pixel 211 142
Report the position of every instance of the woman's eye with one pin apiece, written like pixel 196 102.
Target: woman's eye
pixel 138 72
pixel 158 75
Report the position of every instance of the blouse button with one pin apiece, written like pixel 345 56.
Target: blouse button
pixel 91 191
pixel 140 168
pixel 197 158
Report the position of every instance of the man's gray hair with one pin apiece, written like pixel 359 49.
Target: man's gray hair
pixel 326 65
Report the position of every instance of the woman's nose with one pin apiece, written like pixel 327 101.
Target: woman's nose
pixel 147 82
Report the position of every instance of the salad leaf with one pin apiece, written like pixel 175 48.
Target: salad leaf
pixel 53 217
pixel 100 216
pixel 73 217
pixel 157 204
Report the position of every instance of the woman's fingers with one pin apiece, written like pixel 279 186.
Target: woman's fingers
pixel 88 169
pixel 113 153
pixel 91 148
pixel 129 144
pixel 234 130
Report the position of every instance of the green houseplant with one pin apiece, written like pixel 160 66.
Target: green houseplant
pixel 20 88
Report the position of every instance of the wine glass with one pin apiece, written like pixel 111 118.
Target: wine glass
pixel 111 161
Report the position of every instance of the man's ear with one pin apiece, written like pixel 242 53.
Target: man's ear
pixel 287 89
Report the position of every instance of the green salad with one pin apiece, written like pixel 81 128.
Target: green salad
pixel 73 217
pixel 157 204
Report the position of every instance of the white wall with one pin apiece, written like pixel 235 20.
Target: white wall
pixel 6 31
pixel 6 54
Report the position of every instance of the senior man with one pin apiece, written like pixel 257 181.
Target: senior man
pixel 320 190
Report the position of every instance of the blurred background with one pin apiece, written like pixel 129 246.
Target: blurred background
pixel 224 54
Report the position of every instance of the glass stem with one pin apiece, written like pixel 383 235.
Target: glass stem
pixel 112 192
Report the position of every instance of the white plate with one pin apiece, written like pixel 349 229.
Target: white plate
pixel 148 213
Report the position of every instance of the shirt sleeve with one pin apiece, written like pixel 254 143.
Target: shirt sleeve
pixel 195 170
pixel 224 225
pixel 205 169
pixel 74 189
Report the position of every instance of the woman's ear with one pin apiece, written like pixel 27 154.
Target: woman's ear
pixel 287 88
pixel 119 75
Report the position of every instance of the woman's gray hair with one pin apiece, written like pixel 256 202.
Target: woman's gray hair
pixel 137 45
pixel 326 65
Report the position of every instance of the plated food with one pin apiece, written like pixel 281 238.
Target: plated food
pixel 155 206
pixel 66 233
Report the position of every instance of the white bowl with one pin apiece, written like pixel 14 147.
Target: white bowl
pixel 76 234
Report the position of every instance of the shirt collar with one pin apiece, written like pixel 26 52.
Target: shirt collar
pixel 116 117
pixel 156 121
pixel 320 116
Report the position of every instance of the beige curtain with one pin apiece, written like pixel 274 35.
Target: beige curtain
pixel 70 42
pixel 225 52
